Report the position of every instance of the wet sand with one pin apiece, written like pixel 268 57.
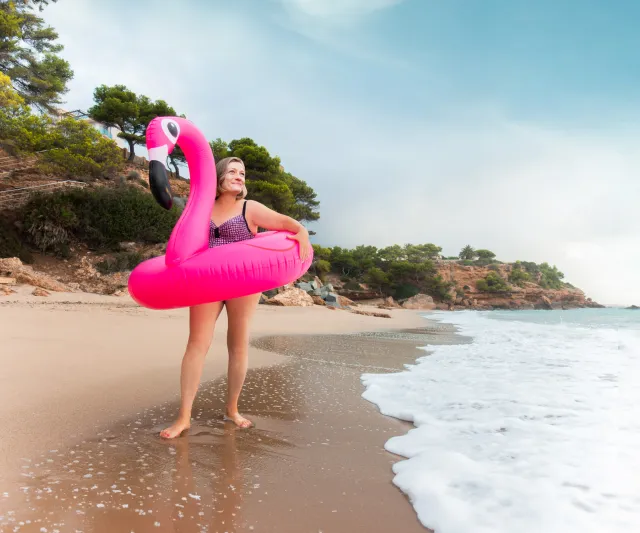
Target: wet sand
pixel 314 462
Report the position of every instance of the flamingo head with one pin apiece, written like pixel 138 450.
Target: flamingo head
pixel 162 135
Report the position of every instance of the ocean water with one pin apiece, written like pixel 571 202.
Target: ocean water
pixel 533 427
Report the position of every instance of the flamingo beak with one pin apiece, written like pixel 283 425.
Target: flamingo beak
pixel 158 177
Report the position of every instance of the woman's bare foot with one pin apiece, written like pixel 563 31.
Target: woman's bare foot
pixel 176 429
pixel 239 420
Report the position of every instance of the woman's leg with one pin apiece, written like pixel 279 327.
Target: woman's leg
pixel 239 313
pixel 202 320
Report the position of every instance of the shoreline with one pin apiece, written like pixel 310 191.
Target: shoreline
pixel 301 361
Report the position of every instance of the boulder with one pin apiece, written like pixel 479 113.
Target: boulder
pixel 389 303
pixel 271 293
pixel 12 267
pixel 318 301
pixel 7 281
pixel 332 300
pixel 305 286
pixel 39 292
pixel 345 302
pixel 544 303
pixel 420 301
pixel 291 297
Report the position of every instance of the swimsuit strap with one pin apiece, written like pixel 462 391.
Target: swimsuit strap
pixel 244 210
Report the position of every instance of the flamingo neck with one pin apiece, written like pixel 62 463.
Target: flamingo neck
pixel 191 233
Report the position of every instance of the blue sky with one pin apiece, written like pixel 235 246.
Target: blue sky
pixel 507 125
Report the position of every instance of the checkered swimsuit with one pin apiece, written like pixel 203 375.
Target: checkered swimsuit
pixel 233 230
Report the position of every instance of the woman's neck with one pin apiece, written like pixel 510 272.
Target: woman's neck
pixel 226 202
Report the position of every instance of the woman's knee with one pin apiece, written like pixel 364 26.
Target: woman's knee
pixel 198 345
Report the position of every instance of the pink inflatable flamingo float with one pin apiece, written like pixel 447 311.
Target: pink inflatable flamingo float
pixel 191 273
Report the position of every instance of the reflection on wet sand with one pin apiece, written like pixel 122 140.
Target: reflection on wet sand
pixel 315 460
pixel 129 479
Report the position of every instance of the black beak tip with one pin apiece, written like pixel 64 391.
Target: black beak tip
pixel 159 184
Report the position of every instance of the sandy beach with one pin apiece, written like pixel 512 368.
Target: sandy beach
pixel 88 381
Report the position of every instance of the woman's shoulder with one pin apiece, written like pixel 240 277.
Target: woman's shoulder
pixel 253 205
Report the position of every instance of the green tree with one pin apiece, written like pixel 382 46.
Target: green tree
pixel 10 100
pixel 267 182
pixel 175 157
pixel 321 267
pixel 304 197
pixel 219 148
pixel 376 278
pixel 391 254
pixel 414 273
pixel 320 252
pixel 421 252
pixel 551 277
pixel 119 107
pixel 23 132
pixel 275 195
pixel 343 262
pixel 77 150
pixel 485 254
pixel 467 253
pixel 29 55
pixel 259 164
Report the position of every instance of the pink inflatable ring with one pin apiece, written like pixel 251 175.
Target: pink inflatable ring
pixel 191 273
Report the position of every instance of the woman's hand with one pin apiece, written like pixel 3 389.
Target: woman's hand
pixel 303 240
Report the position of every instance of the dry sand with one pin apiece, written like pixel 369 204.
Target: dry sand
pixel 88 381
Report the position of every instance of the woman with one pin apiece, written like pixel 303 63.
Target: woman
pixel 233 219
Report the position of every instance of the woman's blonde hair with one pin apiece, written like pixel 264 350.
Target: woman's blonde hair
pixel 221 170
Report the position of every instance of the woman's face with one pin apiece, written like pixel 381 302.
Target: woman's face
pixel 234 177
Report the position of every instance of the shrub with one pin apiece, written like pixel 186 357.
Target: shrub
pixel 519 276
pixel 405 290
pixel 492 283
pixel 99 218
pixel 11 243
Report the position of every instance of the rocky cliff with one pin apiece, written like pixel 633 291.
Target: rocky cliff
pixel 465 293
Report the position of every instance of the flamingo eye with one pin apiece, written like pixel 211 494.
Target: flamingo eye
pixel 171 130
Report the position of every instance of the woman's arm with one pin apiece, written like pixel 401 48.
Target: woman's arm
pixel 269 219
